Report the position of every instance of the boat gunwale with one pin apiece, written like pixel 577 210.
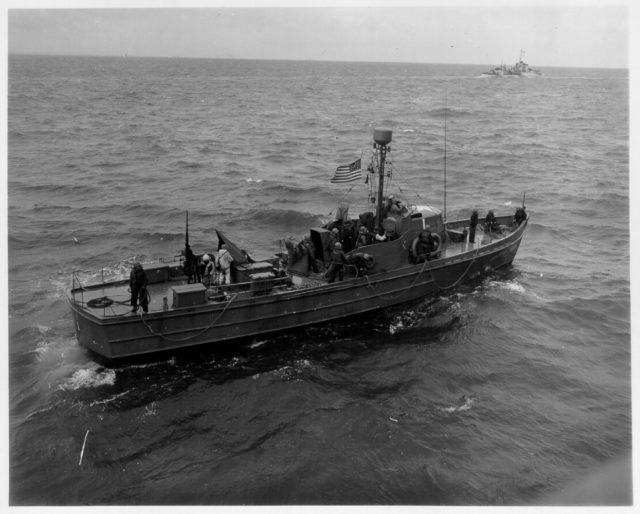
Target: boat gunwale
pixel 300 293
pixel 177 345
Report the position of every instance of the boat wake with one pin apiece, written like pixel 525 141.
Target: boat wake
pixel 294 371
pixel 434 316
pixel 53 350
pixel 511 286
pixel 91 377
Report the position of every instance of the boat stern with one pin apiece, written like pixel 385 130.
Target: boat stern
pixel 88 333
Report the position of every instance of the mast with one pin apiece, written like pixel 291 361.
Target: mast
pixel 381 138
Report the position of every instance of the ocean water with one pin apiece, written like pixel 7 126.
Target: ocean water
pixel 507 391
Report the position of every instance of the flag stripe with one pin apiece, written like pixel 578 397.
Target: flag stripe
pixel 347 172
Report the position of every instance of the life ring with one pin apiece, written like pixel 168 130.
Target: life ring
pixel 413 251
pixel 438 241
pixel 100 303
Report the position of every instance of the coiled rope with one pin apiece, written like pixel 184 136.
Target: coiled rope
pixel 105 301
pixel 100 303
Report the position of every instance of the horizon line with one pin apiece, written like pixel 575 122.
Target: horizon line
pixel 127 56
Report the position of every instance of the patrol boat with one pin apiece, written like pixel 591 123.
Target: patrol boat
pixel 419 254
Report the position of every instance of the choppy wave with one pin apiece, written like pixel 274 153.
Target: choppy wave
pixel 280 218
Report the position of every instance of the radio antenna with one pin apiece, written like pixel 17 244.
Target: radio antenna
pixel 444 214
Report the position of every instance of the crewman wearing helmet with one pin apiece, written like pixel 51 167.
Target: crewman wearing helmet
pixel 207 275
pixel 334 237
pixel 337 260
pixel 364 238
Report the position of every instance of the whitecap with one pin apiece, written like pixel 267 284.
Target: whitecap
pixel 512 286
pixel 108 400
pixel 293 371
pixel 394 327
pixel 463 404
pixel 42 347
pixel 150 410
pixel 89 378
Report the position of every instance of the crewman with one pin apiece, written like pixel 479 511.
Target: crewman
pixel 189 263
pixel 334 237
pixel 337 260
pixel 386 207
pixel 223 263
pixel 363 262
pixel 138 288
pixel 491 224
pixel 364 238
pixel 310 250
pixel 380 236
pixel 473 223
pixel 207 274
pixel 426 246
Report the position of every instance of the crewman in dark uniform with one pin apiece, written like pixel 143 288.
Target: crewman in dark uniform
pixel 311 253
pixel 426 246
pixel 363 262
pixel 189 264
pixel 491 224
pixel 336 264
pixel 138 288
pixel 306 247
pixel 473 222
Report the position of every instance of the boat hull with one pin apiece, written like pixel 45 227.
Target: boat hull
pixel 262 315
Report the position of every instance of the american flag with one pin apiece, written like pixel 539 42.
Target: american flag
pixel 348 172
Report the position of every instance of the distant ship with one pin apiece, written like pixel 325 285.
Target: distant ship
pixel 519 69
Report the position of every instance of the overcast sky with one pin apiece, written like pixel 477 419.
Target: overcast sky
pixel 551 34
